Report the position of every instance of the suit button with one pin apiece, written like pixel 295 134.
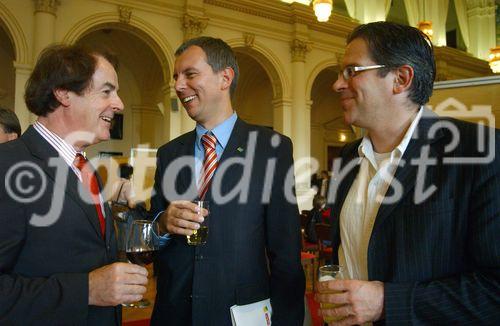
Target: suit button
pixel 198 257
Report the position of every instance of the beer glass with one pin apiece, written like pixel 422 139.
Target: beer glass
pixel 199 236
pixel 328 273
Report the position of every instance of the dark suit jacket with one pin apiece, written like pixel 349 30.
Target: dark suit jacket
pixel 44 270
pixel 439 259
pixel 253 248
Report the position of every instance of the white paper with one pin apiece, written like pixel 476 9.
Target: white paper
pixel 253 314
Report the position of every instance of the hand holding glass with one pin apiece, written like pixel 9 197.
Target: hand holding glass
pixel 200 235
pixel 329 273
pixel 141 246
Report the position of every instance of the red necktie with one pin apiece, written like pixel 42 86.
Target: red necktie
pixel 209 164
pixel 89 180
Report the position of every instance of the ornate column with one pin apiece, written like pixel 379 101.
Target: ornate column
pixel 172 112
pixel 166 110
pixel 187 124
pixel 481 17
pixel 45 17
pixel 23 72
pixel 301 118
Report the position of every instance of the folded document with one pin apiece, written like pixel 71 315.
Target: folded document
pixel 253 314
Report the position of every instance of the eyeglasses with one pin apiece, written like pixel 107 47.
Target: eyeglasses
pixel 351 71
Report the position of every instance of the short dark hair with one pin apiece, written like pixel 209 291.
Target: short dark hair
pixel 219 55
pixel 394 45
pixel 318 201
pixel 68 67
pixel 126 170
pixel 9 122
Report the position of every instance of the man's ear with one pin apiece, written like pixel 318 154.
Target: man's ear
pixel 62 96
pixel 227 75
pixel 403 78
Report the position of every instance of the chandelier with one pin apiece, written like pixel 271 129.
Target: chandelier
pixel 322 9
pixel 494 59
pixel 426 27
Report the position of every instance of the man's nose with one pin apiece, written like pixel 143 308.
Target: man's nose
pixel 180 84
pixel 340 84
pixel 118 105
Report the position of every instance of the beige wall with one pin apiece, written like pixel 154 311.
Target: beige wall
pixel 478 96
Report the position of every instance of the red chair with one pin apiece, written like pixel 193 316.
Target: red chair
pixel 308 261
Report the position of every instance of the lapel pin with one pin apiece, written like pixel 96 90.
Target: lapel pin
pixel 240 149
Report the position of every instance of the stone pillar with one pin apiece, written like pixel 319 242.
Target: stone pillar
pixel 173 108
pixel 187 124
pixel 282 116
pixel 166 109
pixel 481 17
pixel 45 17
pixel 23 72
pixel 301 117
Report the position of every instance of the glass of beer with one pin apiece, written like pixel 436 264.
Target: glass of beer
pixel 199 236
pixel 328 273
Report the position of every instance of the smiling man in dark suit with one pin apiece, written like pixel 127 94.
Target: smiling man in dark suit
pixel 253 247
pixel 416 201
pixel 57 244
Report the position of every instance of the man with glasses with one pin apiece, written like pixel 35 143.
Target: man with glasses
pixel 417 228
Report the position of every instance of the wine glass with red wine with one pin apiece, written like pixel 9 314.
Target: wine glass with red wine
pixel 141 247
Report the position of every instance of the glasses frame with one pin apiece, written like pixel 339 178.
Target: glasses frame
pixel 352 71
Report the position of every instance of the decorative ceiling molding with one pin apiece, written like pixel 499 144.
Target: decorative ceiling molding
pixel 449 59
pixel 48 6
pixel 249 39
pixel 299 49
pixel 288 13
pixel 154 6
pixel 193 26
pixel 125 13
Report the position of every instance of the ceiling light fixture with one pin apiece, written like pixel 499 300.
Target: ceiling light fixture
pixel 426 27
pixel 494 59
pixel 322 9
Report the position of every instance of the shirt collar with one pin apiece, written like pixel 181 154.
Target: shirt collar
pixel 64 149
pixel 365 149
pixel 222 131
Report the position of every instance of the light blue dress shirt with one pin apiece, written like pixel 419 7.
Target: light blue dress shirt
pixel 222 132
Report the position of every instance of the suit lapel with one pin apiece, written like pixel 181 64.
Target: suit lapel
pixel 237 143
pixel 186 149
pixel 406 175
pixel 236 146
pixel 69 182
pixel 343 184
